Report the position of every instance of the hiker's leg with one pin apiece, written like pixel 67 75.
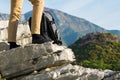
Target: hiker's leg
pixel 15 13
pixel 38 6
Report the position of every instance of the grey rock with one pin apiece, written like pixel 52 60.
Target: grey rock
pixel 3 34
pixel 111 75
pixel 26 59
pixel 4 46
pixel 66 72
pixel 72 72
pixel 23 33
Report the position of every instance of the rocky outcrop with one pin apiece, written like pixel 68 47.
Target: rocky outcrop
pixel 72 72
pixel 23 33
pixel 4 46
pixel 24 60
pixel 47 62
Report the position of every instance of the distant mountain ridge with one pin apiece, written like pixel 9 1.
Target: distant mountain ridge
pixel 4 16
pixel 116 32
pixel 70 27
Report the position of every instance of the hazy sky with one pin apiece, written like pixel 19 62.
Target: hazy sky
pixel 105 13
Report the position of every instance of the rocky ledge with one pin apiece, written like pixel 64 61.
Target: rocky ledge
pixel 46 62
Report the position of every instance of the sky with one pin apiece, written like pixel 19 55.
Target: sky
pixel 105 13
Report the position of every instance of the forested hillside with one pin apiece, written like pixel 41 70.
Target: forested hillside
pixel 98 50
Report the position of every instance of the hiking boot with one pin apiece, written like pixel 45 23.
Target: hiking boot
pixel 38 39
pixel 13 45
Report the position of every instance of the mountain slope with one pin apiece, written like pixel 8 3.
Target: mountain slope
pixel 71 27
